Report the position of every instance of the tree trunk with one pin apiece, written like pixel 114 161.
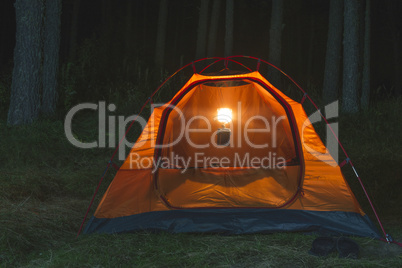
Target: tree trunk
pixel 105 8
pixel 128 49
pixel 129 28
pixel 365 98
pixel 229 28
pixel 145 27
pixel 51 48
pixel 333 54
pixel 311 52
pixel 73 30
pixel 397 64
pixel 350 57
pixel 106 32
pixel 275 39
pixel 202 30
pixel 179 32
pixel 26 81
pixel 3 28
pixel 213 28
pixel 161 35
pixel 393 14
pixel 299 59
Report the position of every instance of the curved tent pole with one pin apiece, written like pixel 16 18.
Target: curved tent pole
pixel 388 238
pixel 209 65
pixel 225 60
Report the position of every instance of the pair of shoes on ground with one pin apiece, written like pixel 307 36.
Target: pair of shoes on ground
pixel 323 246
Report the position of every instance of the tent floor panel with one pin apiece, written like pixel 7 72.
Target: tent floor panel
pixel 238 221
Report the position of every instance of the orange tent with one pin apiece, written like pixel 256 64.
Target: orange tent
pixel 274 174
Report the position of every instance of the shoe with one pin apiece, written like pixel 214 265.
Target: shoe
pixel 322 246
pixel 347 248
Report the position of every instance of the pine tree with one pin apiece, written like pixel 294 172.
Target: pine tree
pixel 350 57
pixel 202 30
pixel 275 39
pixel 365 98
pixel 51 47
pixel 229 28
pixel 333 55
pixel 26 80
pixel 213 28
pixel 161 34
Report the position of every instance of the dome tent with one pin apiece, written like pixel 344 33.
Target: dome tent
pixel 275 174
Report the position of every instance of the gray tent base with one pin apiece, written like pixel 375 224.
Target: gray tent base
pixel 238 221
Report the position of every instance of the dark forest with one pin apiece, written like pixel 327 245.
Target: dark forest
pixel 56 55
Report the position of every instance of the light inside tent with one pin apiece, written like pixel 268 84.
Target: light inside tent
pixel 224 115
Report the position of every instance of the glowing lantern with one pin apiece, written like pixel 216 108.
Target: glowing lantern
pixel 223 134
pixel 224 115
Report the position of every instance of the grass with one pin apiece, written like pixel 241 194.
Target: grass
pixel 46 184
pixel 190 250
pixel 373 140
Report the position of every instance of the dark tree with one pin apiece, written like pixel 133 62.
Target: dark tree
pixel 397 64
pixel 202 30
pixel 74 29
pixel 145 26
pixel 350 57
pixel 128 44
pixel 181 11
pixel 105 9
pixel 129 28
pixel 333 54
pixel 365 98
pixel 229 28
pixel 161 34
pixel 311 50
pixel 393 13
pixel 3 26
pixel 26 81
pixel 275 38
pixel 51 46
pixel 213 28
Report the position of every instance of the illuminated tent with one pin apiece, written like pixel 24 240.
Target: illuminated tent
pixel 275 174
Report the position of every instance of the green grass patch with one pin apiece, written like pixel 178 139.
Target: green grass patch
pixel 373 141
